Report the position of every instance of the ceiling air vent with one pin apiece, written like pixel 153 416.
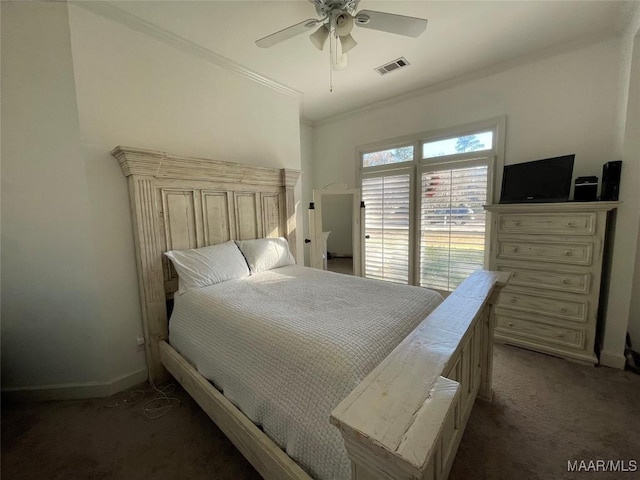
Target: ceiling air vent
pixel 391 66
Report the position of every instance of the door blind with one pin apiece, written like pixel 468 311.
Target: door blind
pixel 452 225
pixel 387 201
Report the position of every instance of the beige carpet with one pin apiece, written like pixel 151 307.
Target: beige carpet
pixel 545 412
pixel 340 265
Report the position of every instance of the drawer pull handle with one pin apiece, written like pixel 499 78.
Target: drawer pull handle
pixel 567 253
pixel 517 223
pixel 561 335
pixel 515 249
pixel 565 281
pixel 511 324
pixel 569 224
pixel 563 309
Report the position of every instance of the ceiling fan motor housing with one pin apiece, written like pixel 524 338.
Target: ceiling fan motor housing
pixel 325 8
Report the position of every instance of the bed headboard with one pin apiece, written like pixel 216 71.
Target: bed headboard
pixel 180 203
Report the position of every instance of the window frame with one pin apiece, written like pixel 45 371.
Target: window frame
pixel 494 157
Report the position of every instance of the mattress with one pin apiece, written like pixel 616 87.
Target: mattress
pixel 287 345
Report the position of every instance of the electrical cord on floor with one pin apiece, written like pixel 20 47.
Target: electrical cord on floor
pixel 154 407
pixel 161 403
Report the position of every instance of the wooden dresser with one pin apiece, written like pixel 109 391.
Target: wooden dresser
pixel 555 252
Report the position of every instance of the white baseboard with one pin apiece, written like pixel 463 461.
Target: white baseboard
pixel 75 391
pixel 613 360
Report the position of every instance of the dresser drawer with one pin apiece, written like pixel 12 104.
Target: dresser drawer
pixel 567 337
pixel 575 311
pixel 558 281
pixel 547 224
pixel 573 253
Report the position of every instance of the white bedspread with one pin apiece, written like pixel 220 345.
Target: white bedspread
pixel 287 345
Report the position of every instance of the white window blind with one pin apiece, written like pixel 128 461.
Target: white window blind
pixel 387 237
pixel 452 224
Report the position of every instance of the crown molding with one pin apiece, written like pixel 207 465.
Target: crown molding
pixel 111 12
pixel 305 121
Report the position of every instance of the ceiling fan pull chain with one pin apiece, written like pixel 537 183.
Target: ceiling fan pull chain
pixel 331 63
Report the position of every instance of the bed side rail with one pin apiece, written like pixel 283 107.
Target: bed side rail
pixel 406 418
pixel 265 456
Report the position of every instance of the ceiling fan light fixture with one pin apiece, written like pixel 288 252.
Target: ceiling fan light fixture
pixel 347 43
pixel 340 62
pixel 319 37
pixel 343 24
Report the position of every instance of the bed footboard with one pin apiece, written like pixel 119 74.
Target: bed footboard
pixel 406 418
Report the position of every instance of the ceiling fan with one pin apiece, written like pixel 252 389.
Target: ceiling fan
pixel 338 19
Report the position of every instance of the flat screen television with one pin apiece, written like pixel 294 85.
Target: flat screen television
pixel 547 180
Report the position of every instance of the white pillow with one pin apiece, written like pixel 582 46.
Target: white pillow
pixel 201 267
pixel 266 253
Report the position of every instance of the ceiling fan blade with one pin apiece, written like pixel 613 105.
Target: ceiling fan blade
pixel 389 22
pixel 287 33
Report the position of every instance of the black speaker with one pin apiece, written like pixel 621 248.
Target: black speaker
pixel 586 189
pixel 611 181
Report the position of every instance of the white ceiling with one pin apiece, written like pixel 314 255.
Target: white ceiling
pixel 461 38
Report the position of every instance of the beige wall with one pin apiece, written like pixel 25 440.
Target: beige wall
pixel 631 186
pixel 340 241
pixel 562 104
pixel 51 328
pixel 567 103
pixel 75 85
pixel 619 316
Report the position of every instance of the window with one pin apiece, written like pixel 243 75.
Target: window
pixel 386 157
pixel 461 144
pixel 440 244
pixel 452 224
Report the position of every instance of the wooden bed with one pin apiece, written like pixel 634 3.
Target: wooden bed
pixel 405 420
